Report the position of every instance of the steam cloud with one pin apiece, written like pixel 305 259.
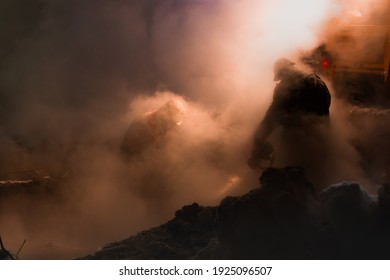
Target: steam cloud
pixel 75 74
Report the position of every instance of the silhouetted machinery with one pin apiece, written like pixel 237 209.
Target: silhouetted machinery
pixel 354 43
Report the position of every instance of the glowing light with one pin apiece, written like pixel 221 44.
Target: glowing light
pixel 294 23
pixel 231 183
pixel 325 63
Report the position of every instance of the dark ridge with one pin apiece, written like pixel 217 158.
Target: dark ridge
pixel 282 219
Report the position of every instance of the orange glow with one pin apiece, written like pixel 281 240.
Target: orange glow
pixel 231 183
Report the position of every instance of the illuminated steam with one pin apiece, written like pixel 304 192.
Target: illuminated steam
pixel 73 81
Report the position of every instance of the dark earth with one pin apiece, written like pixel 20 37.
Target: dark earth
pixel 283 218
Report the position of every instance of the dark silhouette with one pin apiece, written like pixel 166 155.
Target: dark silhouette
pixel 300 102
pixel 4 253
pixel 283 218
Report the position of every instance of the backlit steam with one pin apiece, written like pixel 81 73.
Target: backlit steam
pixel 75 75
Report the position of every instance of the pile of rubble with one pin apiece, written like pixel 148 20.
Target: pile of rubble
pixel 282 219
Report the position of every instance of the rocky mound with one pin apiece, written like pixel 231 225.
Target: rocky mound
pixel 282 219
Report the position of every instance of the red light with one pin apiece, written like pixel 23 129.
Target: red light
pixel 325 63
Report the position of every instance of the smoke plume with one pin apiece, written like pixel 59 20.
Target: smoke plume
pixel 75 74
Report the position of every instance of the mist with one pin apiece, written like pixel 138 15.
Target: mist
pixel 75 74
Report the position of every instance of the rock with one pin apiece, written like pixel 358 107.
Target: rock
pixel 347 206
pixel 282 219
pixel 180 238
pixel 272 222
pixel 214 250
pixel 355 231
